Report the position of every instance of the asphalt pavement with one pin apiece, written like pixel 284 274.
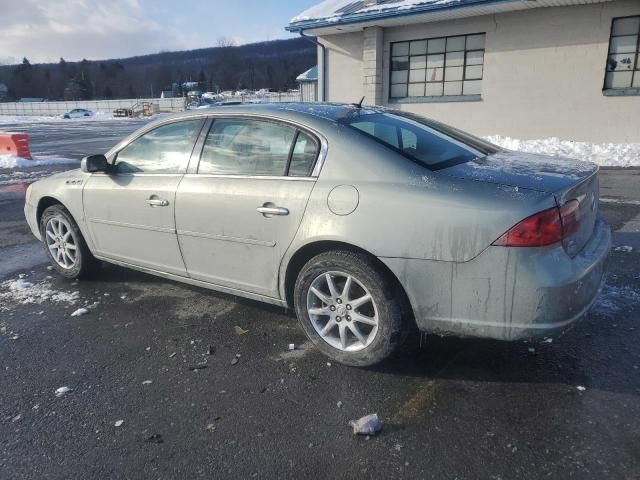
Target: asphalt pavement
pixel 172 381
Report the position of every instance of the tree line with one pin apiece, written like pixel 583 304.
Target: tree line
pixel 274 65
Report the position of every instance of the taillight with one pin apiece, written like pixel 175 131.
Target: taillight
pixel 570 215
pixel 543 228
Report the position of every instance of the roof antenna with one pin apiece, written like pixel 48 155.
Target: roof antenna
pixel 359 104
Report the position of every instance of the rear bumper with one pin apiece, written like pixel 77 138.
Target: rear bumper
pixel 506 293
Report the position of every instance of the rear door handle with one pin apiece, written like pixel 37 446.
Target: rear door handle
pixel 269 211
pixel 156 202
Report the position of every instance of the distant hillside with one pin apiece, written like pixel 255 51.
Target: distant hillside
pixel 272 65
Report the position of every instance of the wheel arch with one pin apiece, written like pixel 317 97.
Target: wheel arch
pixel 46 202
pixel 310 250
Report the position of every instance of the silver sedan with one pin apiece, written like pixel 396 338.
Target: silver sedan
pixel 368 222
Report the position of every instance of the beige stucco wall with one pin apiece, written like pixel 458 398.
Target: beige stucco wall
pixel 543 75
pixel 344 67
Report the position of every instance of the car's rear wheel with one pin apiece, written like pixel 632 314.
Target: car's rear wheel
pixel 65 245
pixel 349 308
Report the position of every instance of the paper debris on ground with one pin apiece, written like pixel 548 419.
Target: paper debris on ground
pixel 369 425
pixel 79 312
pixel 240 331
pixel 62 391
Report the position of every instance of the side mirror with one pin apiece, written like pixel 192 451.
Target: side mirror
pixel 94 163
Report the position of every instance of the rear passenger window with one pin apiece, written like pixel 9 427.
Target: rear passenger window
pixel 246 147
pixel 303 157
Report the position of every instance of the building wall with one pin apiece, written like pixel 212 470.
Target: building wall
pixel 344 67
pixel 309 91
pixel 543 74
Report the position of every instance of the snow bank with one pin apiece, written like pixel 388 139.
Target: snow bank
pixel 604 154
pixel 11 161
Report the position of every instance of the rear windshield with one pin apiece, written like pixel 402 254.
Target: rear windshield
pixel 429 143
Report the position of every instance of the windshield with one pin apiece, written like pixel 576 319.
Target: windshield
pixel 429 143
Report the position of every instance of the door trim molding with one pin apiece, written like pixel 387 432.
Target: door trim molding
pixel 133 225
pixel 225 238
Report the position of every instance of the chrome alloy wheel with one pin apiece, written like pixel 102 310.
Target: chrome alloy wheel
pixel 61 242
pixel 342 311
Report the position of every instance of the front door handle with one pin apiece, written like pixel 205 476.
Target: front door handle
pixel 269 209
pixel 156 202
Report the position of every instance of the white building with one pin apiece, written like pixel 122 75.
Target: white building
pixel 522 68
pixel 308 82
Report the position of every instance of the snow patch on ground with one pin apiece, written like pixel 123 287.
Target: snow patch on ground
pixel 23 177
pixel 23 292
pixel 11 161
pixel 97 117
pixel 614 299
pixel 604 154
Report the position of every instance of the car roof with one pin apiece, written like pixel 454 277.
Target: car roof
pixel 327 111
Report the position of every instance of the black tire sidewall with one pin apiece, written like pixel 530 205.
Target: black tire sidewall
pixel 84 258
pixel 389 310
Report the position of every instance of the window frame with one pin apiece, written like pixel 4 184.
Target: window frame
pixel 113 157
pixel 314 171
pixel 622 91
pixel 437 98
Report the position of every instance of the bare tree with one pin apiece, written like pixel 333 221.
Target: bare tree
pixel 226 42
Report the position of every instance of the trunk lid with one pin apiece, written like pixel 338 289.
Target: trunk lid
pixel 566 179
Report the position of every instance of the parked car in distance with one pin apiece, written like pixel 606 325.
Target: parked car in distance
pixel 368 222
pixel 78 113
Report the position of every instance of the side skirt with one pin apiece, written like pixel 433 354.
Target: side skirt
pixel 198 283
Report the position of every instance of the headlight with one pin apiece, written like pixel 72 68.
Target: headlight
pixel 27 195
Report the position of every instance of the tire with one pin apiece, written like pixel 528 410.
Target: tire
pixel 316 308
pixel 57 219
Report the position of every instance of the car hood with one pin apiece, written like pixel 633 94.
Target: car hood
pixel 524 170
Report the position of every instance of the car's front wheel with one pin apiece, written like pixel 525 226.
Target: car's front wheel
pixel 65 245
pixel 349 308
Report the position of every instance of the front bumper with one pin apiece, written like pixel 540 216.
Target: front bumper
pixel 506 293
pixel 30 213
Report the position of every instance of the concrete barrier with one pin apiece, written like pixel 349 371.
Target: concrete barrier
pixel 15 144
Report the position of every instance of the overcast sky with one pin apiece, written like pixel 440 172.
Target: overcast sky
pixel 45 30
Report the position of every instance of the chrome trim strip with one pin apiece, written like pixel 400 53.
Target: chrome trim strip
pixel 250 177
pixel 225 238
pixel 121 175
pixel 133 225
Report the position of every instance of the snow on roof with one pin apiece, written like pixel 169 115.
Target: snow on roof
pixel 334 10
pixel 310 75
pixel 332 13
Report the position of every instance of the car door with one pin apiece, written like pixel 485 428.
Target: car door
pixel 131 211
pixel 237 215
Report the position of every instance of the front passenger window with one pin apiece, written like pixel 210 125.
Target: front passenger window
pixel 165 149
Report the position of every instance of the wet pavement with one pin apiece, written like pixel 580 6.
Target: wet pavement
pixel 157 356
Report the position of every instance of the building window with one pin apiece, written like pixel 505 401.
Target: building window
pixel 623 62
pixel 437 67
